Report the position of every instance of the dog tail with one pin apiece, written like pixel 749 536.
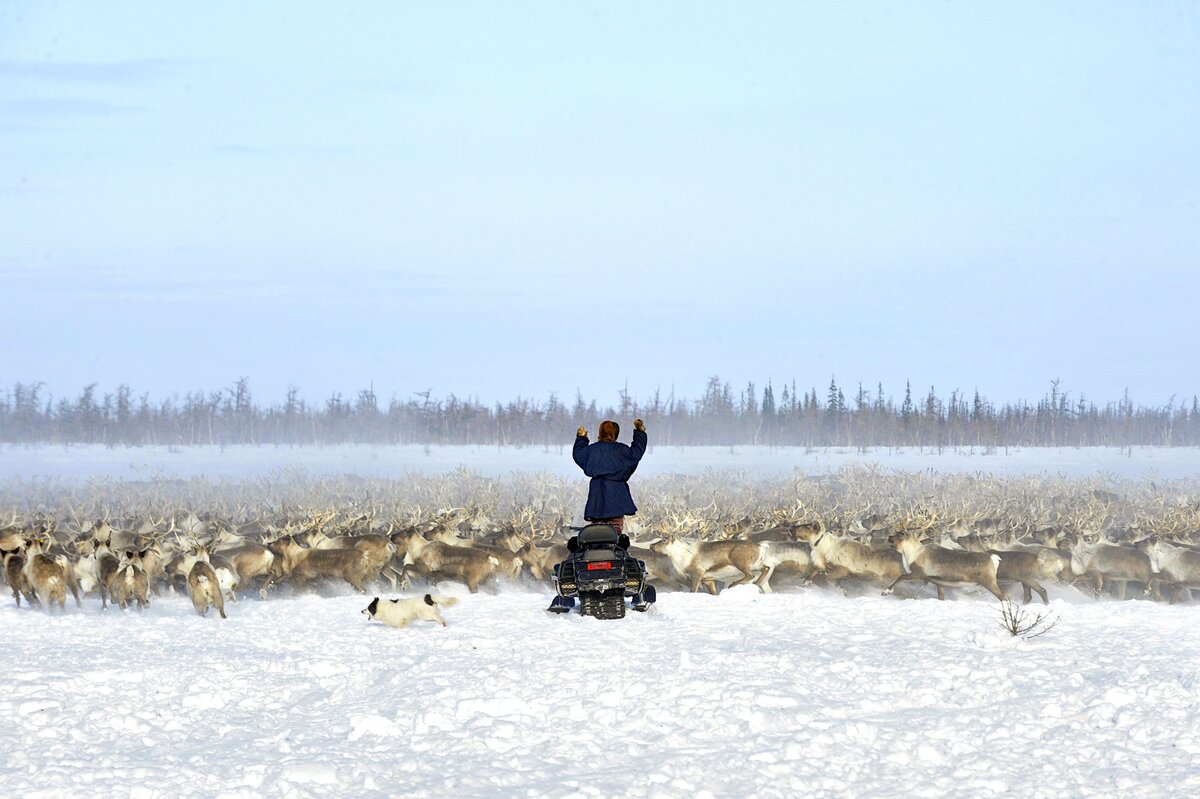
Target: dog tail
pixel 444 601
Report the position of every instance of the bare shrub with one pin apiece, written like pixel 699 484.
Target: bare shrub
pixel 1023 623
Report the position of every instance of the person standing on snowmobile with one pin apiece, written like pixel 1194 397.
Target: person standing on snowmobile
pixel 610 465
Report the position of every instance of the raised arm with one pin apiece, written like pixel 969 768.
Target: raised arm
pixel 638 448
pixel 579 453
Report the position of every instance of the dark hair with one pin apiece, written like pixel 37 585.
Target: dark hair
pixel 609 431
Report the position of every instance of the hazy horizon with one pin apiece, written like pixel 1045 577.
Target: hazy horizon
pixel 350 394
pixel 509 201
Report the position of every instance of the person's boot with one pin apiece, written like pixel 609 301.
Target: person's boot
pixel 561 604
pixel 644 600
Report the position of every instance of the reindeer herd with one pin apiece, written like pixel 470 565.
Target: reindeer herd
pixel 860 530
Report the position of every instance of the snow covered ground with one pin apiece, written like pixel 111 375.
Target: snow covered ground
pixel 148 463
pixel 807 693
pixel 804 692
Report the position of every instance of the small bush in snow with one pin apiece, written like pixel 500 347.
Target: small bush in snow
pixel 1023 624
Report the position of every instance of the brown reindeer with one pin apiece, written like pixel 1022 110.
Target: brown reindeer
pixel 837 557
pixel 129 584
pixel 1097 560
pixel 708 561
pixel 944 567
pixel 14 574
pixel 436 559
pixel 302 565
pixel 46 575
pixel 251 561
pixel 380 547
pixel 204 589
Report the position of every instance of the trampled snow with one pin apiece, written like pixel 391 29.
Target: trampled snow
pixel 148 463
pixel 805 693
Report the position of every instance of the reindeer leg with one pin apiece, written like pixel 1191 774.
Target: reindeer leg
pixel 901 578
pixel 745 578
pixel 420 571
pixel 764 579
pixel 834 573
pixel 994 587
pixel 754 578
pixel 1041 592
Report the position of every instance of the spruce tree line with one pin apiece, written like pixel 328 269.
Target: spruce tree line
pixel 780 416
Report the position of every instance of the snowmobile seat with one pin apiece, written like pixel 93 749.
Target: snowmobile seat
pixel 597 534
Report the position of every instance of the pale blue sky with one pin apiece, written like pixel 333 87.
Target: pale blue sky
pixel 506 200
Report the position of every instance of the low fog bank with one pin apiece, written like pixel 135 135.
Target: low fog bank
pixel 82 463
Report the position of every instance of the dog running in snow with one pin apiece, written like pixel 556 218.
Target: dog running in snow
pixel 400 612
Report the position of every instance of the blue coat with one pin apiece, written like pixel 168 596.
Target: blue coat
pixel 610 465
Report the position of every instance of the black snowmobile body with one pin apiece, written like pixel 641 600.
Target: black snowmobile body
pixel 600 573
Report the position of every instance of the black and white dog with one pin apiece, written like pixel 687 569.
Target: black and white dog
pixel 400 612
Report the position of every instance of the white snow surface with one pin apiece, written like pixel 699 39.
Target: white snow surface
pixel 79 463
pixel 806 693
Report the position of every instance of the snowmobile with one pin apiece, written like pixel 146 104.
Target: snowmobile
pixel 600 573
